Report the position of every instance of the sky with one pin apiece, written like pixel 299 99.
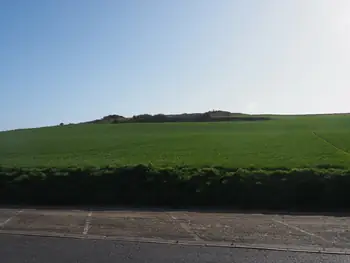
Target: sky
pixel 72 61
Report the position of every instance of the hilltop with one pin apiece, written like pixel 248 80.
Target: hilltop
pixel 209 116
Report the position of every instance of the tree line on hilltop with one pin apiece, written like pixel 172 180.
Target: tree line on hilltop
pixel 210 116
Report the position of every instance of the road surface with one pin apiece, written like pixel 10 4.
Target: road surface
pixel 18 249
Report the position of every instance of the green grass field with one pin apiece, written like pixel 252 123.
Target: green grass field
pixel 293 141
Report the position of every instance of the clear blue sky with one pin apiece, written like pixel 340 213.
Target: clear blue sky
pixel 70 61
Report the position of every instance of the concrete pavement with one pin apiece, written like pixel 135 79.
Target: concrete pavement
pixel 327 234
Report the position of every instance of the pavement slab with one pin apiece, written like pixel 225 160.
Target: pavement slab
pixel 246 229
pixel 6 216
pixel 65 222
pixel 334 230
pixel 145 225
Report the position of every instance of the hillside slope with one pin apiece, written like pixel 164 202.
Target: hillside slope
pixel 304 141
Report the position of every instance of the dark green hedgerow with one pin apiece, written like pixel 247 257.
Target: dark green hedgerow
pixel 311 189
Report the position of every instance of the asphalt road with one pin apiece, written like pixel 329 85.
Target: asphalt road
pixel 30 249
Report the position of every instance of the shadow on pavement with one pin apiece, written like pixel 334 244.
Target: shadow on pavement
pixel 214 210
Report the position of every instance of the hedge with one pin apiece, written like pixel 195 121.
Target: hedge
pixel 294 189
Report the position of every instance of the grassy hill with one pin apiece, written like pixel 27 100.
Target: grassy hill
pixel 235 164
pixel 283 141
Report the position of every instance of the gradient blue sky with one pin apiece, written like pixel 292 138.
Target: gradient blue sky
pixel 70 61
